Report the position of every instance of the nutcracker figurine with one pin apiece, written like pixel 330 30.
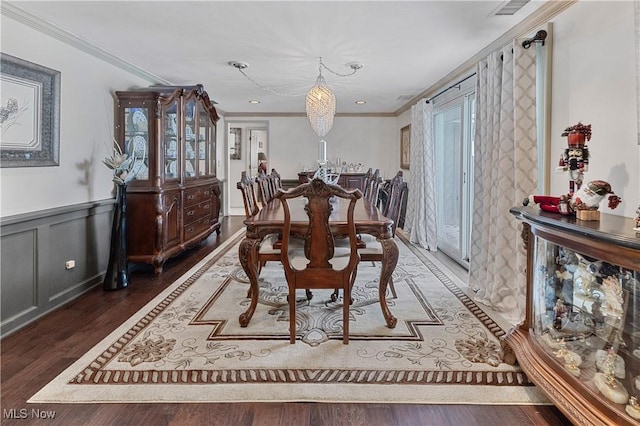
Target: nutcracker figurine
pixel 575 158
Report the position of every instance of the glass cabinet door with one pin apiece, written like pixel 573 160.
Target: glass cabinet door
pixel 587 317
pixel 170 120
pixel 206 144
pixel 190 138
pixel 136 140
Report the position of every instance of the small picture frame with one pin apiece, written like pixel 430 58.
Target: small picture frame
pixel 235 143
pixel 405 147
pixel 30 121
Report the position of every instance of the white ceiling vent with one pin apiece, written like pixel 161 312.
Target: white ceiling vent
pixel 510 7
pixel 405 97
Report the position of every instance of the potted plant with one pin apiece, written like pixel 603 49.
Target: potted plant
pixel 578 134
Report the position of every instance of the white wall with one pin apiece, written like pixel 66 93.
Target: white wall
pixel 372 141
pixel 86 125
pixel 594 81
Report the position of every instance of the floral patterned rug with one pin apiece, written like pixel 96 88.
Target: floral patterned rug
pixel 187 346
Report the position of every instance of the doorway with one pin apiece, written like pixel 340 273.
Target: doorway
pixel 247 146
pixel 454 128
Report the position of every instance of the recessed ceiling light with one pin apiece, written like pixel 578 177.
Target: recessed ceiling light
pixel 254 101
pixel 361 102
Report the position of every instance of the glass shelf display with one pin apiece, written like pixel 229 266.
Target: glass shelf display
pixel 170 140
pixel 587 317
pixel 583 315
pixel 136 140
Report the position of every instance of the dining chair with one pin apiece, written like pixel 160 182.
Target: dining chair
pixel 249 199
pixel 375 181
pixel 264 186
pixel 314 266
pixel 372 249
pixel 367 180
pixel 275 181
pixel 268 251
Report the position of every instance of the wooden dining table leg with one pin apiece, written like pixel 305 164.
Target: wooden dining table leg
pixel 389 261
pixel 248 254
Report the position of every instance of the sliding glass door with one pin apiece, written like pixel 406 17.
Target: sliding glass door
pixel 453 130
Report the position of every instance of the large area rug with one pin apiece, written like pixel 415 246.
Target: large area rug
pixel 187 346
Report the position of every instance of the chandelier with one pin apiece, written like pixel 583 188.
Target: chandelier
pixel 320 100
pixel 321 107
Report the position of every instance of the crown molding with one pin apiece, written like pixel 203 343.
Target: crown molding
pixel 532 22
pixel 302 114
pixel 12 11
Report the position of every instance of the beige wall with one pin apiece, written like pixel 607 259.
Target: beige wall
pixel 372 141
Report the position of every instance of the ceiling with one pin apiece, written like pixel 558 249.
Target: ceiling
pixel 405 46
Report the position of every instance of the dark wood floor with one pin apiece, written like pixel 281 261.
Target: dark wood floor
pixel 37 353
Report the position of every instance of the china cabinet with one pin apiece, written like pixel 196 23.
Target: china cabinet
pixel 174 200
pixel 580 342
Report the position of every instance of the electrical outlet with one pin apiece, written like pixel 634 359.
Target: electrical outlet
pixel 70 264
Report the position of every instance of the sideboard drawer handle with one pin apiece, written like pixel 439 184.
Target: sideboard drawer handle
pixel 190 197
pixel 190 213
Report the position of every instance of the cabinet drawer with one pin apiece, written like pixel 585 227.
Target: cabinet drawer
pixel 197 195
pixel 195 228
pixel 197 211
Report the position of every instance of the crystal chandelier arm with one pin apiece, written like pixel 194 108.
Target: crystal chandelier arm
pixel 270 90
pixel 354 68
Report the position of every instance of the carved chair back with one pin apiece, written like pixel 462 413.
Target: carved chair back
pixel 275 181
pixel 367 181
pixel 316 266
pixel 264 185
pixel 247 189
pixel 373 187
pixel 394 202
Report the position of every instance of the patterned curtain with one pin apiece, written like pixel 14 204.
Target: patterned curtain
pixel 505 172
pixel 420 221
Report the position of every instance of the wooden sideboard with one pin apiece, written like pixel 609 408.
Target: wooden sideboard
pixel 346 180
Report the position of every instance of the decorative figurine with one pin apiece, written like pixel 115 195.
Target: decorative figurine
pixel 606 381
pixel 586 199
pixel 559 311
pixel 637 219
pixel 572 367
pixel 575 158
pixel 633 409
pixel 585 277
pixel 581 201
pixel 613 300
pixel 572 360
pixel 610 363
pixel 596 310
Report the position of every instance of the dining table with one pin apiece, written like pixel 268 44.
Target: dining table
pixel 270 220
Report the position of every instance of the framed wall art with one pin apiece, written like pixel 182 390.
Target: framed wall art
pixel 29 114
pixel 235 143
pixel 405 147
